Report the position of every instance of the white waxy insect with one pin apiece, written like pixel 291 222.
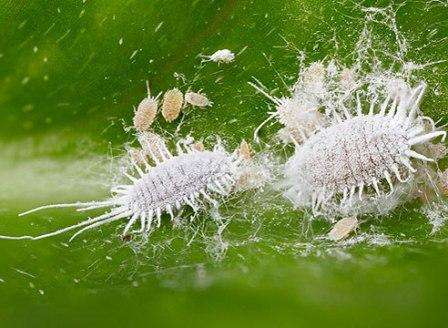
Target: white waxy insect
pixel 188 178
pixel 172 104
pixel 343 228
pixel 300 116
pixel 197 99
pixel 146 112
pixel 368 152
pixel 221 56
pixel 300 113
pixel 313 80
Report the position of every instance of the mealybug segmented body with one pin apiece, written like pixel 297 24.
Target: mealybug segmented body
pixel 371 151
pixel 176 180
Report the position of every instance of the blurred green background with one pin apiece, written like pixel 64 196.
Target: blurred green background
pixel 70 74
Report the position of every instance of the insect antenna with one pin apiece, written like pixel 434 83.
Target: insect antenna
pixel 80 205
pixel 104 218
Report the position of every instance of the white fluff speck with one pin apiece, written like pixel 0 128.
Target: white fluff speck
pixel 221 56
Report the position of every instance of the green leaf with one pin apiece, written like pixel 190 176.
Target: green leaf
pixel 71 73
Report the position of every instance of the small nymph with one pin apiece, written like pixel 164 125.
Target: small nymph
pixel 172 104
pixel 146 112
pixel 221 56
pixel 197 99
pixel 343 228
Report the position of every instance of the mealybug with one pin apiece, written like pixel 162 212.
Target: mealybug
pixel 362 156
pixel 146 112
pixel 188 178
pixel 172 104
pixel 197 99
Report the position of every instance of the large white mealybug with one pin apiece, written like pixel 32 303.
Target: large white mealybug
pixel 362 156
pixel 188 178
